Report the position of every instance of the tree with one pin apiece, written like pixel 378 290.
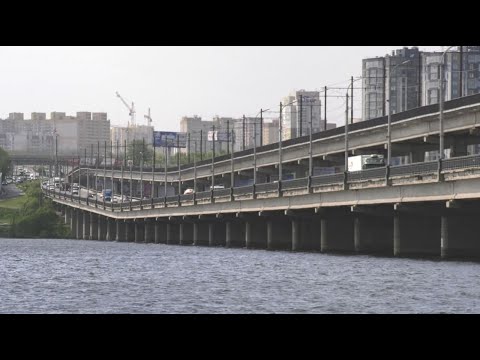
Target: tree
pixel 135 150
pixel 5 163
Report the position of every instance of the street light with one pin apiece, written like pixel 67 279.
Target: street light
pixel 389 126
pixel 442 65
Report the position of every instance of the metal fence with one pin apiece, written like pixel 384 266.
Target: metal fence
pixel 425 168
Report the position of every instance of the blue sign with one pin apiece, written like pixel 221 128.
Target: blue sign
pixel 169 139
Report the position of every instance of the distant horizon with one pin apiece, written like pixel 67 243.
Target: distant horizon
pixel 177 81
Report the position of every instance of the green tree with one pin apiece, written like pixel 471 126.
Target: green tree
pixel 136 149
pixel 5 164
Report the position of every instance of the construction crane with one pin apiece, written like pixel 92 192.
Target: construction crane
pixel 131 110
pixel 148 117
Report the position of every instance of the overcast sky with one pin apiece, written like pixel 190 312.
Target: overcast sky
pixel 175 81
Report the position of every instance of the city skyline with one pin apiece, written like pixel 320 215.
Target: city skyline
pixel 176 81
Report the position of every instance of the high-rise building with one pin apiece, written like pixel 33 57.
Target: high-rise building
pixel 299 109
pixel 270 131
pixel 415 80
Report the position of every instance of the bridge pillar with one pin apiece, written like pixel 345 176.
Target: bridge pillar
pixel 416 234
pixel 235 234
pixel 73 223
pixel 160 232
pixel 110 233
pixel 373 234
pixel 201 233
pixel 173 233
pixel 86 225
pixel 79 223
pixel 279 233
pixel 186 233
pixel 149 231
pixel 139 231
pixel 102 228
pixel 68 215
pixel 120 230
pixel 94 226
pixel 336 230
pixel 216 234
pixel 459 236
pixel 255 233
pixel 129 231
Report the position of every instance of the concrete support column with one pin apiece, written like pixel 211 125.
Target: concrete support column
pixel 459 236
pixel 129 231
pixel 110 234
pixel 149 231
pixel 86 225
pixel 119 231
pixel 416 235
pixel 235 234
pixel 94 219
pixel 336 231
pixel 295 235
pixel 73 223
pixel 201 234
pixel 68 215
pixel 373 234
pixel 186 233
pixel 173 233
pixel 139 231
pixel 102 228
pixel 255 234
pixel 279 233
pixel 160 232
pixel 79 223
pixel 216 234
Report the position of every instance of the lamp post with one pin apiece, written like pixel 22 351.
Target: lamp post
pixel 442 65
pixel 389 126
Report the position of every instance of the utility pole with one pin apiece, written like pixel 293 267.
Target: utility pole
pixel 213 159
pixel 243 132
pixel 201 139
pixel 301 116
pixel 325 109
pixel 188 149
pixel 280 147
pixel 346 135
pixel 351 100
pixel 261 127
pixel 228 137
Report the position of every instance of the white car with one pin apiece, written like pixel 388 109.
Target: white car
pixel 188 192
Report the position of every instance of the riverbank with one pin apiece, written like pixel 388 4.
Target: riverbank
pixel 28 215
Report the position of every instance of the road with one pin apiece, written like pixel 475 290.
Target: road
pixel 10 191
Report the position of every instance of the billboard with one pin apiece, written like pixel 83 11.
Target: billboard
pixel 169 139
pixel 219 136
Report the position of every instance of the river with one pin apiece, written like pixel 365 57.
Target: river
pixel 76 276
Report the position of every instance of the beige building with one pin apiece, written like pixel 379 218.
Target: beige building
pixel 38 135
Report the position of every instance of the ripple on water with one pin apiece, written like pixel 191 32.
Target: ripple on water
pixel 65 276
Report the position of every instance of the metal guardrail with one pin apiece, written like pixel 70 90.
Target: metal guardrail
pixel 203 195
pixel 221 192
pixel 244 190
pixel 425 168
pixel 463 162
pixel 327 179
pixel 369 174
pixel 186 197
pixel 266 187
pixel 294 184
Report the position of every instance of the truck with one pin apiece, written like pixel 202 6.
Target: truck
pixel 364 162
pixel 107 194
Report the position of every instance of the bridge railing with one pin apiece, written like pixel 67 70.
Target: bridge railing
pixel 369 174
pixel 464 162
pixel 425 168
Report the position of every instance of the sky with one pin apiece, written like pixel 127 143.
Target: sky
pixel 177 81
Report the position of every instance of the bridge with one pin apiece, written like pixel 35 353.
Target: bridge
pixel 418 209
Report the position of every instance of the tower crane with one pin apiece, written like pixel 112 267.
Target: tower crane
pixel 148 117
pixel 131 110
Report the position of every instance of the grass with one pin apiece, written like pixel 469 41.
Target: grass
pixel 13 203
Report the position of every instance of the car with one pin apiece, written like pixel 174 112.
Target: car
pixel 217 187
pixel 188 192
pixel 4 182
